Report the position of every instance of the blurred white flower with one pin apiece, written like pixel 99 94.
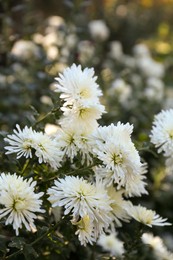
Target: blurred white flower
pixel 141 50
pixel 54 23
pixel 51 129
pixel 19 201
pixel 23 142
pixel 156 243
pixel 111 244
pixel 162 132
pixel 99 30
pixel 168 101
pixel 26 50
pixel 120 90
pixel 154 89
pixel 116 50
pixel 71 40
pixel 146 216
pixel 52 53
pixel 150 68
pixel 46 100
pixel 50 39
pixel 85 51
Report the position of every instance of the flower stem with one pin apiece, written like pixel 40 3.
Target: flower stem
pixel 34 242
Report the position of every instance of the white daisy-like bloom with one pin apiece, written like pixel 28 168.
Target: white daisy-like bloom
pixel 83 117
pixel 21 142
pixel 81 198
pixel 77 85
pixel 19 201
pixel 162 132
pixel 111 244
pixel 103 134
pixel 85 230
pixel 146 216
pixel 113 146
pixel 47 150
pixel 118 205
pixel 25 142
pixel 73 141
pixel 132 184
pixel 66 139
pixel 156 243
pixel 135 185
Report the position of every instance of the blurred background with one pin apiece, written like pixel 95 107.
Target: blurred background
pixel 38 39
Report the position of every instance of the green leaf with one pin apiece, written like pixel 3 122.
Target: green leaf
pixel 17 242
pixel 29 252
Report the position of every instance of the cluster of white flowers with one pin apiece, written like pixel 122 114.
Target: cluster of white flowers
pixel 142 76
pixel 88 203
pixel 80 93
pixel 120 159
pixel 162 134
pixel 99 204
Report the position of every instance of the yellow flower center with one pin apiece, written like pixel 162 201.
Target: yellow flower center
pixel 117 158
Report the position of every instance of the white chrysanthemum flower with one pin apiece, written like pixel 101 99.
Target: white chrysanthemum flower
pixel 118 205
pixel 104 133
pixel 78 85
pixel 133 184
pixel 156 243
pixel 47 150
pixel 162 132
pixel 80 197
pixel 112 244
pixel 113 146
pixel 82 117
pixel 74 141
pixel 66 139
pixel 146 216
pixel 19 201
pixel 23 142
pixel 85 230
